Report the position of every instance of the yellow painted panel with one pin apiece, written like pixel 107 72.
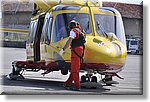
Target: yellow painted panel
pixel 13 30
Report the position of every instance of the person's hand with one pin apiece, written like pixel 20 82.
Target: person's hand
pixel 61 52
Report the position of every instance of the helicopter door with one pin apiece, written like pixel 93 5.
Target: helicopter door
pixel 38 33
pixel 46 37
pixel 30 41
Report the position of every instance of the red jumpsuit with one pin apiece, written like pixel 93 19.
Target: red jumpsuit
pixel 75 65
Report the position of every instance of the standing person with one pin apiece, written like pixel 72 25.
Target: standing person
pixel 77 41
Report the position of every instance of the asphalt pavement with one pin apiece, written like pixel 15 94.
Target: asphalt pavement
pixel 52 83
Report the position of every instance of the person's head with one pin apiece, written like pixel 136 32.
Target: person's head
pixel 73 24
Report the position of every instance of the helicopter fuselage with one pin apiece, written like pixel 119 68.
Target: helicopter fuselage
pixel 105 48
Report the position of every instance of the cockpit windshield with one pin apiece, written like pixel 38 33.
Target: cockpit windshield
pixel 61 29
pixel 104 23
pixel 110 21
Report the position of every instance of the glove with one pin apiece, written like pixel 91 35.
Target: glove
pixel 61 52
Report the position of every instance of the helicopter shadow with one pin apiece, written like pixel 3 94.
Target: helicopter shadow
pixel 45 87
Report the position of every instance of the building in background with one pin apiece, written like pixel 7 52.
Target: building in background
pixel 132 17
pixel 15 14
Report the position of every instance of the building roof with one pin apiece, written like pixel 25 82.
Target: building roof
pixel 127 10
pixel 15 6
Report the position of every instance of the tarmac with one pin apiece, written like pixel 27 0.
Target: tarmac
pixel 52 83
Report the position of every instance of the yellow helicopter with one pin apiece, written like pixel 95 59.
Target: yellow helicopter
pixel 105 49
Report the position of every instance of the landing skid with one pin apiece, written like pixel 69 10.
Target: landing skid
pixel 11 76
pixel 108 80
pixel 15 74
pixel 108 83
pixel 90 81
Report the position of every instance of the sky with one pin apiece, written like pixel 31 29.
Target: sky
pixel 126 1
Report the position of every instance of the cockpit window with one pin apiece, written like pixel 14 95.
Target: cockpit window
pixel 104 23
pixel 61 29
pixel 46 32
pixel 110 22
pixel 33 27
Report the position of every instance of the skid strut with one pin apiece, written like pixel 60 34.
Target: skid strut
pixel 108 80
pixel 16 73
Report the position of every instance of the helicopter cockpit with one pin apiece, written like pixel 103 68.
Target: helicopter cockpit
pixel 108 21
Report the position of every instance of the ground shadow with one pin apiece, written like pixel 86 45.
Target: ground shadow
pixel 45 87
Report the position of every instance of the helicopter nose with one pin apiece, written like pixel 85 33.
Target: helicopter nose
pixel 100 50
pixel 96 50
